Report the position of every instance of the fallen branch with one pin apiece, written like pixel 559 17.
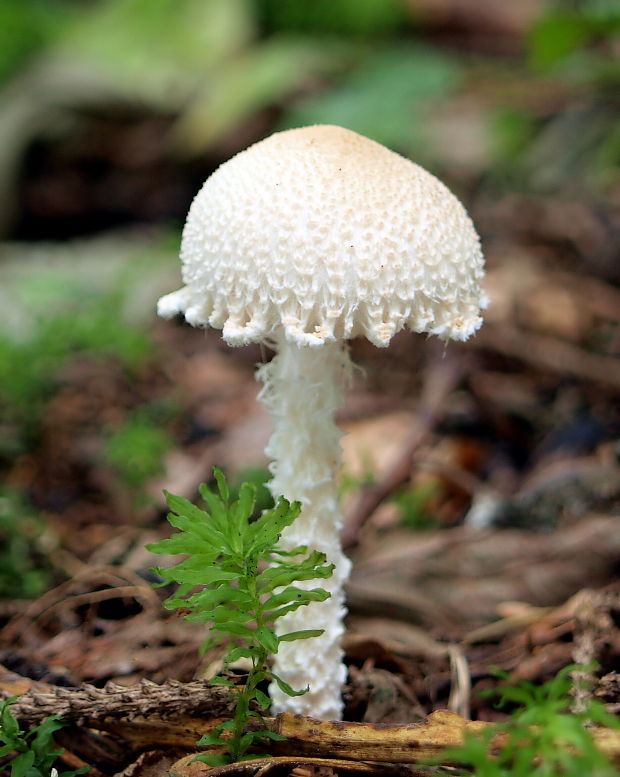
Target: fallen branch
pixel 411 743
pixel 87 705
pixel 149 716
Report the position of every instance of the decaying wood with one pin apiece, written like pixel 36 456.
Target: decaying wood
pixel 88 705
pixel 149 715
pixel 141 733
pixel 370 742
pixel 404 744
pixel 395 744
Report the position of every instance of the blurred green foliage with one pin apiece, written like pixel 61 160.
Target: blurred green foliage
pixel 135 451
pixel 385 96
pixel 556 35
pixel 415 507
pixel 31 368
pixel 220 67
pixel 216 64
pixel 159 48
pixel 262 77
pixel 364 18
pixel 27 27
pixel 513 130
pixel 350 483
pixel 572 141
pixel 62 323
pixel 565 30
pixel 24 572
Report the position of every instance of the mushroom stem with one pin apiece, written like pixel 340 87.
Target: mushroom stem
pixel 303 389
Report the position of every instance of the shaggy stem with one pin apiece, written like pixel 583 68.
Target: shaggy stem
pixel 303 389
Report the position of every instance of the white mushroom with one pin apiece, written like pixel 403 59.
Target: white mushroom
pixel 301 241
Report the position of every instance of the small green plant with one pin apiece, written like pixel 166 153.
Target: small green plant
pixel 542 737
pixel 239 581
pixel 35 751
pixel 259 476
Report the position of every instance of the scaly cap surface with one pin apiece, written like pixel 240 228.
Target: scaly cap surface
pixel 323 234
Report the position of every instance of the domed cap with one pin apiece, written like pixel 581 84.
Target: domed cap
pixel 321 234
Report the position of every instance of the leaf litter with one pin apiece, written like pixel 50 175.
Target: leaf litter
pixel 481 485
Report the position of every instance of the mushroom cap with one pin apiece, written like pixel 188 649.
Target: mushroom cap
pixel 319 233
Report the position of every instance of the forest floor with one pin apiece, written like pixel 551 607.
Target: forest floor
pixel 481 489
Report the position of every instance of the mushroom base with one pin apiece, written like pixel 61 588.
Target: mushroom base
pixel 303 389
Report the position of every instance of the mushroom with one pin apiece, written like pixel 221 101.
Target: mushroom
pixel 305 239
